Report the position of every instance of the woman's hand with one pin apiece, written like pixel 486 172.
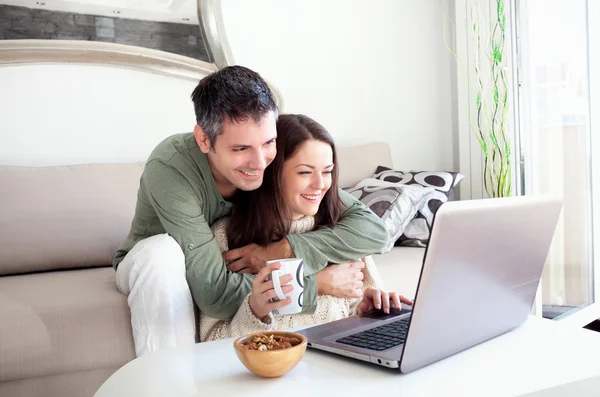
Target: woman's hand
pixel 381 300
pixel 343 280
pixel 263 292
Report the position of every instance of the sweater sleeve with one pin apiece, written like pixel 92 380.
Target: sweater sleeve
pixel 372 279
pixel 244 322
pixel 219 228
pixel 329 308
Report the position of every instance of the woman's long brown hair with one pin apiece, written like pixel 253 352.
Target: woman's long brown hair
pixel 262 216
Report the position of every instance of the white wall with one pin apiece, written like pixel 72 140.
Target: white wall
pixel 367 71
pixel 69 114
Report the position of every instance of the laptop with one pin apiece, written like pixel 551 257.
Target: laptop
pixel 479 279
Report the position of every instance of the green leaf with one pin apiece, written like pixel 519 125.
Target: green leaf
pixel 495 96
pixel 500 4
pixel 497 55
pixel 493 138
pixel 478 100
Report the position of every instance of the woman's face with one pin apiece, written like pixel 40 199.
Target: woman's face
pixel 307 177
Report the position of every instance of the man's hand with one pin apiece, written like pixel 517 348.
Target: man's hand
pixel 253 257
pixel 343 280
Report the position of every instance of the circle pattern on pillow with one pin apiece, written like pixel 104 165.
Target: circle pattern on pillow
pixel 418 230
pixel 443 181
pixel 393 176
pixel 377 198
pixel 438 180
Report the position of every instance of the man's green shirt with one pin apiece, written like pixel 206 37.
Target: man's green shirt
pixel 178 195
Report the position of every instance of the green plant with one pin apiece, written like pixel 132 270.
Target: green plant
pixel 488 83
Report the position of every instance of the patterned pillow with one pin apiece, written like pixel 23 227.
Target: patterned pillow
pixel 443 181
pixel 418 230
pixel 395 204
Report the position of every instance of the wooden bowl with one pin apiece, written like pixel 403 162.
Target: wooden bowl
pixel 270 363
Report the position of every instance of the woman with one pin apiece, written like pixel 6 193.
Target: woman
pixel 299 194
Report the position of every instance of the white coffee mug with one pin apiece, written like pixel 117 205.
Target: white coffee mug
pixel 295 267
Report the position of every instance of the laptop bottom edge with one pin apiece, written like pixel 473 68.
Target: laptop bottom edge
pixel 357 356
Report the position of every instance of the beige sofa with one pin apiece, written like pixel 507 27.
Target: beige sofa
pixel 64 327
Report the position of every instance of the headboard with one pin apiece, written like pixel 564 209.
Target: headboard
pixel 72 102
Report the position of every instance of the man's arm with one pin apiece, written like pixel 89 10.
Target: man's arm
pixel 217 292
pixel 359 233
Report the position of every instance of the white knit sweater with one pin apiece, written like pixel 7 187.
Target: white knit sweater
pixel 329 308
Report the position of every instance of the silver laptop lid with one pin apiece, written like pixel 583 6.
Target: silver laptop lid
pixel 480 275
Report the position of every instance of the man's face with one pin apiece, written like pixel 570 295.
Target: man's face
pixel 240 153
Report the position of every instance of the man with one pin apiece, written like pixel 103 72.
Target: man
pixel 188 183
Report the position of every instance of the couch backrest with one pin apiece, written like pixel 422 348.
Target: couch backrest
pixel 76 216
pixel 359 162
pixel 66 216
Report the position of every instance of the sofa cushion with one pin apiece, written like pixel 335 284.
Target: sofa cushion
pixel 81 383
pixel 62 321
pixel 66 216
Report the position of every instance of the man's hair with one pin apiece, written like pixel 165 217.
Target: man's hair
pixel 263 215
pixel 234 93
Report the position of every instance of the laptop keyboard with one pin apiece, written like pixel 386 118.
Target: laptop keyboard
pixel 379 338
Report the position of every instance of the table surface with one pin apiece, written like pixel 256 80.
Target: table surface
pixel 540 354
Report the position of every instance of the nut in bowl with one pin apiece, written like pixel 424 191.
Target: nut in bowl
pixel 270 354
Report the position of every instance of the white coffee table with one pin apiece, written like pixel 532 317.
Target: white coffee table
pixel 538 355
